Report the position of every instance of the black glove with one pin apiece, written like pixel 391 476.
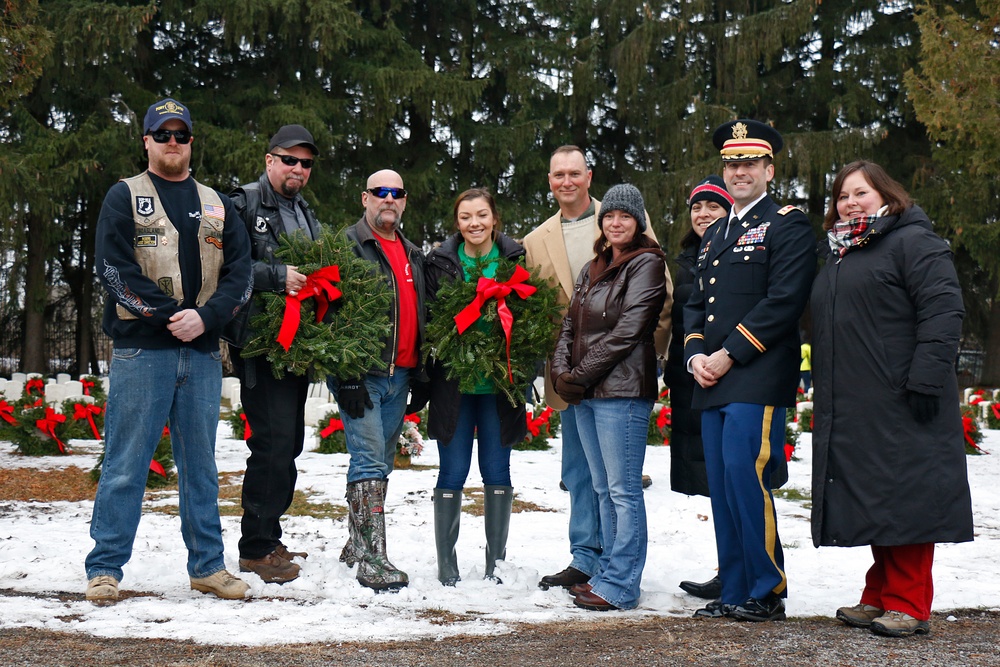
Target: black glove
pixel 420 393
pixel 352 397
pixel 923 407
pixel 568 390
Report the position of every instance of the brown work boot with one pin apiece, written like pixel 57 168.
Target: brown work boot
pixel 272 568
pixel 102 589
pixel 221 584
pixel 282 551
pixel 898 624
pixel 860 615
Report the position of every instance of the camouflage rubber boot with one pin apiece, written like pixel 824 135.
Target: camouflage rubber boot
pixel 352 551
pixel 498 502
pixel 447 516
pixel 374 569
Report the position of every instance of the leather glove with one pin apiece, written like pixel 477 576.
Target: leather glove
pixel 568 390
pixel 420 393
pixel 353 398
pixel 923 407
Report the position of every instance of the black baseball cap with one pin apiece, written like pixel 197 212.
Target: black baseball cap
pixel 293 135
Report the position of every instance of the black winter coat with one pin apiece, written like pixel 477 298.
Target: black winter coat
pixel 687 453
pixel 257 204
pixel 886 321
pixel 442 264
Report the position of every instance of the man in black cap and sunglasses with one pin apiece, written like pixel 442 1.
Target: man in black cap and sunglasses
pixel 275 409
pixel 373 405
pixel 175 262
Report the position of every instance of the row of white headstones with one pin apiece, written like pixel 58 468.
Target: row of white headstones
pixel 63 387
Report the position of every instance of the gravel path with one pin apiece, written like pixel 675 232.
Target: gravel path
pixel 973 640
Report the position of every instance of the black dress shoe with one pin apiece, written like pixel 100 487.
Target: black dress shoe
pixel 593 602
pixel 566 578
pixel 771 608
pixel 714 609
pixel 709 590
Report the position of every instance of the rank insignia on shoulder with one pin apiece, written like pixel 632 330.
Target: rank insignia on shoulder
pixel 785 210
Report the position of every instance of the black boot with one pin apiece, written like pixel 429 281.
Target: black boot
pixel 497 506
pixel 447 516
pixel 709 590
pixel 366 499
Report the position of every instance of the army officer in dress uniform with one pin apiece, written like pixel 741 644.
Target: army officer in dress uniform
pixel 752 279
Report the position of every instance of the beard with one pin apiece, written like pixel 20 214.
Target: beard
pixel 386 220
pixel 291 187
pixel 170 165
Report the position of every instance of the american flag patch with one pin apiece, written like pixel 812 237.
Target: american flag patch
pixel 755 235
pixel 213 211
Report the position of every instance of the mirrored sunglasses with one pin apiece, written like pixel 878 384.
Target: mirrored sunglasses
pixel 382 193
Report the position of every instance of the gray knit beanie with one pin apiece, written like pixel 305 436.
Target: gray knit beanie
pixel 626 198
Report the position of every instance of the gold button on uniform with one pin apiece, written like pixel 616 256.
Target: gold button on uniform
pixel 711 318
pixel 711 281
pixel 715 263
pixel 746 258
pixel 711 299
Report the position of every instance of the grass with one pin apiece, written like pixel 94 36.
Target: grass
pixel 477 495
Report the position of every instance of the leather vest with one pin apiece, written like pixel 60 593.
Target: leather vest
pixel 157 241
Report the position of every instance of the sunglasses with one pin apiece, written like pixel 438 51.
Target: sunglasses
pixel 382 193
pixel 163 136
pixel 291 160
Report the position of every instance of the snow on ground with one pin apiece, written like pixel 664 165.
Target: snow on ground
pixel 43 545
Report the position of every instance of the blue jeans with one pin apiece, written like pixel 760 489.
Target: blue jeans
pixel 477 416
pixel 743 446
pixel 372 439
pixel 613 431
pixel 147 388
pixel 584 515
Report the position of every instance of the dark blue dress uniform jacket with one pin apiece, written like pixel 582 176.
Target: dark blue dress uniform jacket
pixel 750 290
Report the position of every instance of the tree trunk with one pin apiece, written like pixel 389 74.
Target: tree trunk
pixel 991 361
pixel 34 355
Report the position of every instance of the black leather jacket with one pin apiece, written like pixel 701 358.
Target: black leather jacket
pixel 366 246
pixel 606 341
pixel 443 265
pixel 257 205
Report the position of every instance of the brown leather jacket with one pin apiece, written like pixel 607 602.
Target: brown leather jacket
pixel 606 341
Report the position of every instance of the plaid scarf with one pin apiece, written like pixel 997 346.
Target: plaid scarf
pixel 848 235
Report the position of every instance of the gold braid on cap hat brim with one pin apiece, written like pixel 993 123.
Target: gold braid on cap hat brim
pixel 746 149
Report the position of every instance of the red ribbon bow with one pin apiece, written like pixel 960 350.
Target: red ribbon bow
pixel 34 384
pixel 47 425
pixel 789 451
pixel 319 285
pixel 663 420
pixel 969 427
pixel 87 385
pixel 486 289
pixel 413 418
pixel 7 412
pixel 976 399
pixel 86 411
pixel 246 426
pixel 535 425
pixel 334 426
pixel 996 410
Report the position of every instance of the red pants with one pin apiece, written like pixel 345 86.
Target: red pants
pixel 900 580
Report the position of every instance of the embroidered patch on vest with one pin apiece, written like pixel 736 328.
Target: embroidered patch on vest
pixel 260 225
pixel 214 241
pixel 166 285
pixel 146 240
pixel 144 205
pixel 213 211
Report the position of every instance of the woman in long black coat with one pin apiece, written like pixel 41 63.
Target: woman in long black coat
pixel 709 201
pixel 889 466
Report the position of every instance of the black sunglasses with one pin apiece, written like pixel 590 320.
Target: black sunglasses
pixel 163 136
pixel 291 160
pixel 382 192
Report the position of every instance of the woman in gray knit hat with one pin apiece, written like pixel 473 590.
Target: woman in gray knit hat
pixel 604 363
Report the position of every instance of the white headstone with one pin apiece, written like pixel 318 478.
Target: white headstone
pixel 63 378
